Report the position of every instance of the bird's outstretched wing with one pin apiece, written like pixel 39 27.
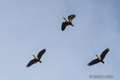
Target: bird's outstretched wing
pixel 41 53
pixel 64 24
pixel 70 17
pixel 93 62
pixel 104 53
pixel 32 62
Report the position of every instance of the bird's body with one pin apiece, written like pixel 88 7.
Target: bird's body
pixel 36 58
pixel 99 58
pixel 67 22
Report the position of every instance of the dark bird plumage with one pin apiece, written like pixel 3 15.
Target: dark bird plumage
pixel 67 22
pixel 36 58
pixel 70 17
pixel 99 58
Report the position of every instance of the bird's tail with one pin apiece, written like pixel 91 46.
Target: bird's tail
pixel 72 24
pixel 40 61
pixel 102 62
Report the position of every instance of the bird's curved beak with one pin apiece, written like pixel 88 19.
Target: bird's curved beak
pixel 96 55
pixel 64 18
pixel 33 55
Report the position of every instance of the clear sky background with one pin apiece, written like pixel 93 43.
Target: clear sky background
pixel 28 26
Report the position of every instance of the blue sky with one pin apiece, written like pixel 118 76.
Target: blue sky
pixel 28 26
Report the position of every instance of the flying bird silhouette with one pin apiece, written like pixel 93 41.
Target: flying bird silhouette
pixel 36 58
pixel 67 22
pixel 99 58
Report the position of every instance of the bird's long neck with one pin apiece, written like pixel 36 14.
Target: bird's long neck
pixel 99 58
pixel 66 19
pixel 35 57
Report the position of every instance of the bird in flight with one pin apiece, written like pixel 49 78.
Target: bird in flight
pixel 99 58
pixel 67 22
pixel 36 58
